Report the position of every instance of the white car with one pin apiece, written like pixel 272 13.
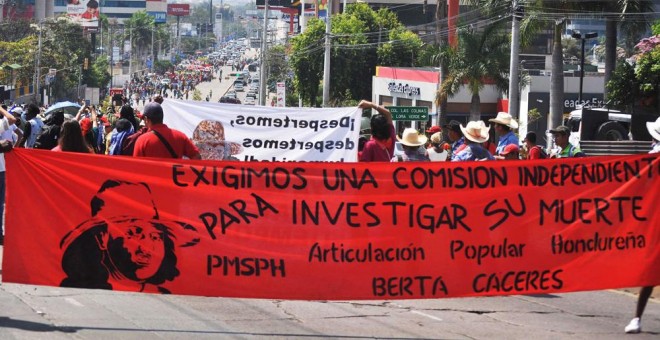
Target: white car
pixel 238 86
pixel 250 101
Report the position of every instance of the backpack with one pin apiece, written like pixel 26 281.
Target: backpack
pixel 544 154
pixel 47 138
pixel 128 145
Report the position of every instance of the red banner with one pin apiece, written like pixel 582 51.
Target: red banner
pixel 345 231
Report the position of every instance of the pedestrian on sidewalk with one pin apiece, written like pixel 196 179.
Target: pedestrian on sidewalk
pixel 635 325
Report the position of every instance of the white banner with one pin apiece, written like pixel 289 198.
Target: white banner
pixel 260 133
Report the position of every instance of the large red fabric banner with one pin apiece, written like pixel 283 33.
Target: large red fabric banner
pixel 331 231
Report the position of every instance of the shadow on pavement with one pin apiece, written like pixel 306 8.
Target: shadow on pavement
pixel 6 322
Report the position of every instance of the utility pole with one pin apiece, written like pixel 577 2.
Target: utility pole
pixel 264 46
pixel 326 59
pixel 130 55
pixel 302 20
pixel 514 71
pixel 38 68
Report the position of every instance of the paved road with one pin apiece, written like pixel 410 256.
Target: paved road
pixel 39 312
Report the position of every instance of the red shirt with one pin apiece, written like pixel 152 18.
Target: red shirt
pixel 149 145
pixel 534 153
pixel 375 151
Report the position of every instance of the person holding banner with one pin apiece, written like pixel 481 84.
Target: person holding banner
pixel 381 146
pixel 6 123
pixel 560 136
pixel 635 325
pixel 504 126
pixel 476 133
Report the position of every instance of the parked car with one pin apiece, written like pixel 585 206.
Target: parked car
pixel 229 100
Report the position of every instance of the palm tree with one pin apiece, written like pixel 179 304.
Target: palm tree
pixel 139 28
pixel 481 57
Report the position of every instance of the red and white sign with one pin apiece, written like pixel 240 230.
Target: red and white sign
pixel 181 10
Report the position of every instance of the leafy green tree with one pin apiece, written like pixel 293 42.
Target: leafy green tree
pixel 21 52
pixel 481 56
pixel 307 61
pixel 360 36
pixel 99 75
pixel 647 73
pixel 16 30
pixel 65 48
pixel 623 88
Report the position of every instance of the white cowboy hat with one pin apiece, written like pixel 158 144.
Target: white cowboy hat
pixel 505 119
pixel 410 137
pixel 476 131
pixel 654 129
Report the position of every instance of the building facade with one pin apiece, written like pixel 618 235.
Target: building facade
pixel 418 86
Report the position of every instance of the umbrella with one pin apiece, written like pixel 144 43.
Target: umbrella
pixel 67 107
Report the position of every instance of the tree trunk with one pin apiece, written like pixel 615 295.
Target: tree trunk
pixel 441 40
pixel 610 52
pixel 557 80
pixel 475 107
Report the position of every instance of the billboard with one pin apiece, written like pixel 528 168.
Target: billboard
pixel 178 9
pixel 159 17
pixel 84 12
pixel 275 3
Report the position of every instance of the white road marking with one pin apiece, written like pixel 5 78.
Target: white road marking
pixel 426 315
pixel 73 302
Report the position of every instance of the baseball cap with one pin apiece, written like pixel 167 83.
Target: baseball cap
pixel 454 125
pixel 152 109
pixel 509 149
pixel 562 129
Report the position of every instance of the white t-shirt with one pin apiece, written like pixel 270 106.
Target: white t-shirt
pixel 436 156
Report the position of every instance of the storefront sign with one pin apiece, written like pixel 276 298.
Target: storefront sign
pixel 403 88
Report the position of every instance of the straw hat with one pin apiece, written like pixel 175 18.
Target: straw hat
pixel 476 131
pixel 410 137
pixel 436 137
pixel 505 119
pixel 654 129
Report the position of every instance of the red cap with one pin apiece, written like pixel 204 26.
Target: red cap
pixel 434 129
pixel 509 149
pixel 85 125
pixel 105 121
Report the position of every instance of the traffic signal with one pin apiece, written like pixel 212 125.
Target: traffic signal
pixel 85 63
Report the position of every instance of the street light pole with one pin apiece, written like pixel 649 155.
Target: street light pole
pixel 583 39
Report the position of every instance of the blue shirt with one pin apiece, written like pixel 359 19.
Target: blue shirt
pixel 411 156
pixel 455 145
pixel 509 138
pixel 473 152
